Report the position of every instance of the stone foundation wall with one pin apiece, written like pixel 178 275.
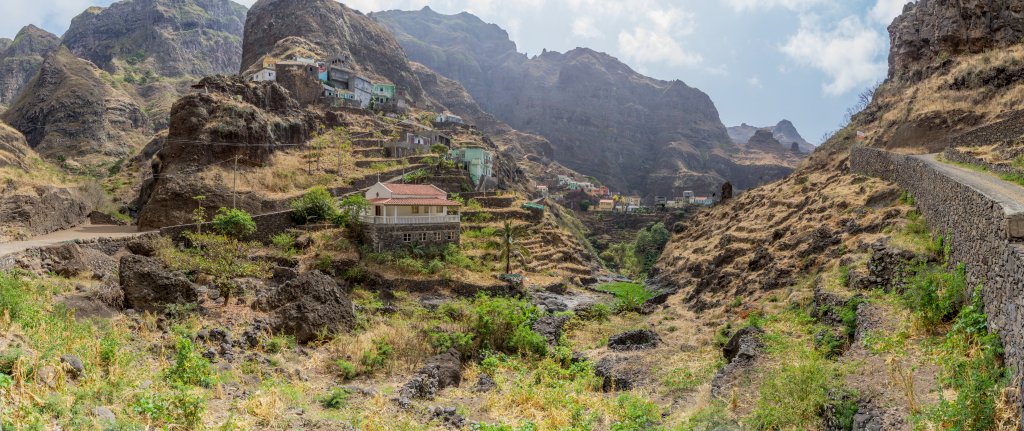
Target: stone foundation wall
pixel 980 230
pixel 392 237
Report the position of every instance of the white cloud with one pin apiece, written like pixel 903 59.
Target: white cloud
pixel 848 54
pixel 755 81
pixel 885 10
pixel 586 28
pixel 749 5
pixel 647 46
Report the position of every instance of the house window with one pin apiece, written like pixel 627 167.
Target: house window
pixel 437 236
pixel 423 236
pixel 451 236
pixel 415 210
pixel 406 237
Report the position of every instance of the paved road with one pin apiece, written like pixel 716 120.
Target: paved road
pixel 84 232
pixel 1010 195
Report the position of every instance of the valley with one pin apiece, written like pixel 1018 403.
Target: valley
pixel 301 216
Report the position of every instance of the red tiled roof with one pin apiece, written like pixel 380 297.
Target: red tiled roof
pixel 415 189
pixel 415 201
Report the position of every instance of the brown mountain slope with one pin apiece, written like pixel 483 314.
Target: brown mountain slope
pixel 169 37
pixel 20 60
pixel 635 133
pixel 279 27
pixel 69 110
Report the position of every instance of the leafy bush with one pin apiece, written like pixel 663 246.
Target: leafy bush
pixel 233 222
pixel 285 242
pixel 350 209
pixel 183 408
pixel 505 325
pixel 335 399
pixel 971 359
pixel 629 296
pixel 190 368
pixel 346 369
pixel 376 357
pixel 317 205
pixel 935 295
pixel 635 414
pixel 596 312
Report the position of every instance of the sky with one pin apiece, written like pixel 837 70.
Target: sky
pixel 759 60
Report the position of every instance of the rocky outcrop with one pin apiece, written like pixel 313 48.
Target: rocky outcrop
pixel 640 339
pixel 14 151
pixel 327 29
pixel 20 60
pixel 148 286
pixel 308 306
pixel 256 119
pixel 784 132
pixel 741 352
pixel 603 119
pixel 764 140
pixel 441 371
pixel 69 110
pixel 931 31
pixel 36 210
pixel 169 37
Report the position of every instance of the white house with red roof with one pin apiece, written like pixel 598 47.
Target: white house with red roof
pixel 407 214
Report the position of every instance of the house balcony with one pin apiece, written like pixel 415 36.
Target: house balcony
pixel 410 220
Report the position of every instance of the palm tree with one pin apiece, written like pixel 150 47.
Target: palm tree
pixel 507 238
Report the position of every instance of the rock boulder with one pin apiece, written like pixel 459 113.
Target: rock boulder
pixel 148 286
pixel 309 304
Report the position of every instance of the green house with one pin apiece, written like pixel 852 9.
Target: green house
pixel 382 89
pixel 477 160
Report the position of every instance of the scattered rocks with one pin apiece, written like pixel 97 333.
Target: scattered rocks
pixel 550 327
pixel 104 219
pixel 65 259
pixel 448 416
pixel 309 304
pixel 440 372
pixel 148 286
pixel 484 383
pixel 73 365
pixel 887 266
pixel 104 414
pixel 142 246
pixel 640 339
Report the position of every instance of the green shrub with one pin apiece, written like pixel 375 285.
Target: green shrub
pixel 634 413
pixel 350 209
pixel 190 368
pixel 972 365
pixel 317 205
pixel 935 295
pixel 233 222
pixel 629 296
pixel 712 417
pixel 376 357
pixel 505 325
pixel 597 312
pixel 346 369
pixel 284 241
pixel 442 341
pixel 183 408
pixel 792 396
pixel 335 399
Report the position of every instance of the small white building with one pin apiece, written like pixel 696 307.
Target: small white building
pixel 449 118
pixel 265 75
pixel 401 215
pixel 362 87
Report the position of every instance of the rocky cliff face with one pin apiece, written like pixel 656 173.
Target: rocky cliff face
pixel 70 110
pixel 634 133
pixel 170 37
pixel 20 59
pixel 13 149
pixel 251 121
pixel 325 28
pixel 929 32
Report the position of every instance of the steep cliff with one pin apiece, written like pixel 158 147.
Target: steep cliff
pixel 930 32
pixel 69 110
pixel 327 29
pixel 634 133
pixel 14 151
pixel 20 60
pixel 170 37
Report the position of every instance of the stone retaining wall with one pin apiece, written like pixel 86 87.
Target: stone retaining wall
pixel 979 232
pixel 267 225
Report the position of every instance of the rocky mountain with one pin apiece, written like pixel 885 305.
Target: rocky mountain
pixel 634 133
pixel 326 29
pixel 785 132
pixel 14 151
pixel 168 37
pixel 20 59
pixel 929 33
pixel 70 111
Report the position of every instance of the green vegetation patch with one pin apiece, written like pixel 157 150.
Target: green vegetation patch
pixel 629 296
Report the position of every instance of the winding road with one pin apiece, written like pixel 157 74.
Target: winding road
pixel 82 232
pixel 1009 195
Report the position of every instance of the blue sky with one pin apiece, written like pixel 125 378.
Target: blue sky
pixel 759 60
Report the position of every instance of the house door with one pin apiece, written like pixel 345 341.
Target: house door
pixel 377 211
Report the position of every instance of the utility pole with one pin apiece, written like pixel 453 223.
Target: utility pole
pixel 234 197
